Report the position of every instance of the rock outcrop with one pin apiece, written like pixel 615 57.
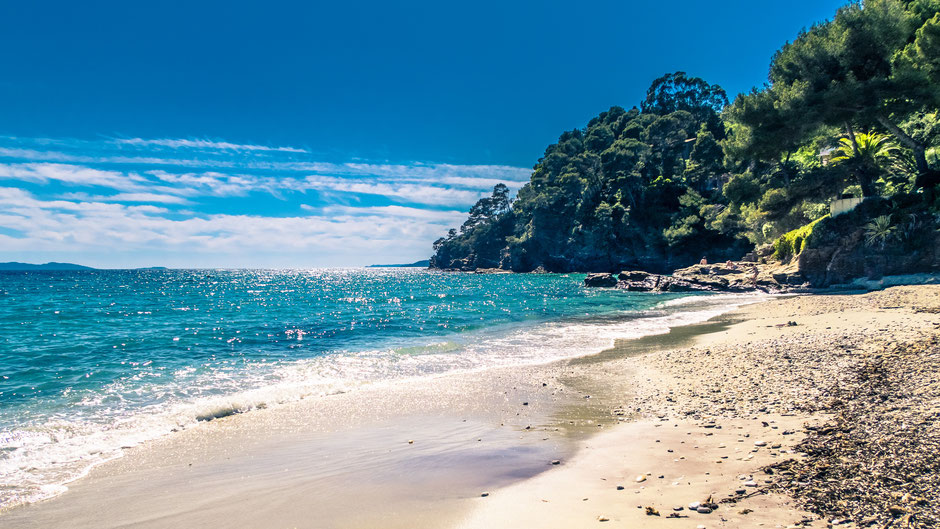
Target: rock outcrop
pixel 738 277
pixel 600 280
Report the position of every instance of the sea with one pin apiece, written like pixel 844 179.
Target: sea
pixel 94 362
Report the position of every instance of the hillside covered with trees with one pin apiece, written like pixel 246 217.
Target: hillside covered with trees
pixel 850 108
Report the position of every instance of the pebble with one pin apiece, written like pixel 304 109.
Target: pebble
pixel 641 478
pixel 703 510
pixel 556 462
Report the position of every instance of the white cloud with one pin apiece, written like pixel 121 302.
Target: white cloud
pixel 203 144
pixel 155 198
pixel 71 174
pixel 59 225
pixel 109 210
pixel 401 212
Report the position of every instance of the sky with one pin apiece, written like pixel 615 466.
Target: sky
pixel 311 134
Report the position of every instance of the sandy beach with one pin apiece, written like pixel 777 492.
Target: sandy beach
pixel 633 436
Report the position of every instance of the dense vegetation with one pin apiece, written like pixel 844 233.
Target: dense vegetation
pixel 850 108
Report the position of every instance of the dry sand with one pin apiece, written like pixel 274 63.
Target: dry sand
pixel 764 379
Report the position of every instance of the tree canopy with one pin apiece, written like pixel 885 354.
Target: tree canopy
pixel 851 107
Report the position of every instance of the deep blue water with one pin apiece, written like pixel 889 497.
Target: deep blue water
pixel 91 361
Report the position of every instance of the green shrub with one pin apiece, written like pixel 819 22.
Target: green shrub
pixel 792 243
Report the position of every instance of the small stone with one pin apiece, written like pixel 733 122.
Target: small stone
pixel 751 483
pixel 411 442
pixel 703 510
pixel 760 443
pixel 485 494
pixel 556 462
pixel 694 505
pixel 619 487
pixel 641 478
pixel 603 519
pixel 678 508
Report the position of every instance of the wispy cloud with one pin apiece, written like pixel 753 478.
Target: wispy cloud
pixel 203 144
pixel 193 198
pixel 71 174
pixel 153 198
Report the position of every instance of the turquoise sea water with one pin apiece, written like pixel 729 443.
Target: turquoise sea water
pixel 94 361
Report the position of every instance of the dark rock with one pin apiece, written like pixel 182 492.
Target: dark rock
pixel 600 280
pixel 635 275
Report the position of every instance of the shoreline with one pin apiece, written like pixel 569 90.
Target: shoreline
pixel 525 417
pixel 647 322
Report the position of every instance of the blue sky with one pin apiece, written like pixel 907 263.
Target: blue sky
pixel 300 134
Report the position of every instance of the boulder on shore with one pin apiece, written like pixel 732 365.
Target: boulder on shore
pixel 600 280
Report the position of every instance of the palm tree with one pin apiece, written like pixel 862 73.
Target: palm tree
pixel 879 231
pixel 865 154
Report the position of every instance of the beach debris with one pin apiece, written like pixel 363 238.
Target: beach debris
pixel 650 511
pixel 875 461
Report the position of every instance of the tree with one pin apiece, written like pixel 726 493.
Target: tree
pixel 865 154
pixel 678 91
pixel 488 208
pixel 858 69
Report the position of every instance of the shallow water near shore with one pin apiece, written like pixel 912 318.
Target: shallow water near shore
pixel 96 362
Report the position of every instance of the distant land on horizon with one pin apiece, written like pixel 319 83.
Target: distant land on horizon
pixel 20 267
pixel 47 266
pixel 418 264
pixel 15 266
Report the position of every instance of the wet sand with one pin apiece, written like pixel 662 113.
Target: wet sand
pixel 423 453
